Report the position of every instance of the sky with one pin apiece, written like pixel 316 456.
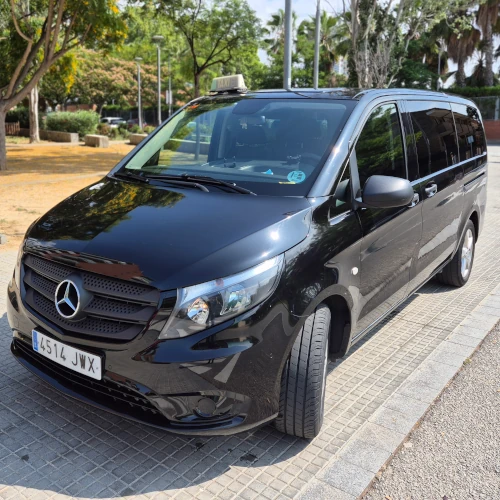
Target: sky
pixel 303 8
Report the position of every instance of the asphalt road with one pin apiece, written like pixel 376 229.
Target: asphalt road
pixel 455 452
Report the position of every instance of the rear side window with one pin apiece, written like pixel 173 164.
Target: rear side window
pixel 379 150
pixel 435 137
pixel 470 131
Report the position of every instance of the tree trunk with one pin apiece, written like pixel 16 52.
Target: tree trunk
pixel 33 114
pixel 196 85
pixel 488 51
pixel 3 145
pixel 460 74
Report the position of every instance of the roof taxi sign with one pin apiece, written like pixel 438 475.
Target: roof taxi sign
pixel 234 83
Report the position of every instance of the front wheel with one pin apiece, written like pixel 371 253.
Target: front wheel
pixel 303 381
pixel 457 272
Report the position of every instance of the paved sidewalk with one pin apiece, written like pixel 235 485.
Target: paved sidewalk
pixel 51 446
pixel 455 452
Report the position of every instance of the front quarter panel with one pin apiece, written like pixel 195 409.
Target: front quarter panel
pixel 325 264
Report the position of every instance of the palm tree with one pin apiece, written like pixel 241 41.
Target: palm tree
pixel 487 17
pixel 335 40
pixel 460 47
pixel 276 31
pixel 478 76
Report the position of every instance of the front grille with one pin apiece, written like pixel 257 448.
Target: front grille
pixel 106 392
pixel 118 310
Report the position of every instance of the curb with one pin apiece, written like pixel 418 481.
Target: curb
pixel 349 474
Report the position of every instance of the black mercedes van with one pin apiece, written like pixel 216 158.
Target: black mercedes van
pixel 205 282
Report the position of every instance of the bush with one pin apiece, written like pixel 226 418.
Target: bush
pixel 114 133
pixel 135 129
pixel 80 122
pixel 103 129
pixel 148 129
pixel 21 115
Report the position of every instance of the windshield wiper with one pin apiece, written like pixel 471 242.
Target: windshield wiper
pixel 129 175
pixel 217 182
pixel 177 180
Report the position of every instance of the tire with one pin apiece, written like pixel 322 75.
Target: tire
pixel 303 380
pixel 453 273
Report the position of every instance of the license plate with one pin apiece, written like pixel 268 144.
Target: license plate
pixel 65 355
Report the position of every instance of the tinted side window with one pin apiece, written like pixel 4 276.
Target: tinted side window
pixel 435 138
pixel 470 131
pixel 379 150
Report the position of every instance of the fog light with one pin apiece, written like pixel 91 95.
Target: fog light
pixel 205 407
pixel 198 311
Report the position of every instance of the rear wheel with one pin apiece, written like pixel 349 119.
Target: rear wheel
pixel 457 272
pixel 303 381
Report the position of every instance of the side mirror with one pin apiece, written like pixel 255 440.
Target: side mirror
pixel 383 191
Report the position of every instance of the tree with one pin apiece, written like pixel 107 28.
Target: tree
pixel 55 86
pixel 215 31
pixel 275 31
pixel 487 18
pixel 461 46
pixel 33 114
pixel 382 32
pixel 102 79
pixel 334 43
pixel 39 33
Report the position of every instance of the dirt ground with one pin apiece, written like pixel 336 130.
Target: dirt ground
pixel 40 176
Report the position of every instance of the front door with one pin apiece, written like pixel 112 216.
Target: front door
pixel 390 236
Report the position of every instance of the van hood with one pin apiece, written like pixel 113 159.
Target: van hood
pixel 166 237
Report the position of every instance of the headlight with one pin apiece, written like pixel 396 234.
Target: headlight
pixel 17 268
pixel 201 306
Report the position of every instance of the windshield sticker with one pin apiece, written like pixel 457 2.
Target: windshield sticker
pixel 269 172
pixel 296 176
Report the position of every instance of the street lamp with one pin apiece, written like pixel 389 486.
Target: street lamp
pixel 139 101
pixel 169 89
pixel 157 39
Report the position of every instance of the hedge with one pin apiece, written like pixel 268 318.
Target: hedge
pixel 21 115
pixel 475 91
pixel 81 122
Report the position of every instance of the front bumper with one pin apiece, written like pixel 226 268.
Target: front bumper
pixel 221 381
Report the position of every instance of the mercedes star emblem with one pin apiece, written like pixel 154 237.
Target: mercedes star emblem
pixel 67 299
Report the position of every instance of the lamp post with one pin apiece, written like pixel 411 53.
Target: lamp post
pixel 139 100
pixel 287 73
pixel 317 41
pixel 157 39
pixel 169 90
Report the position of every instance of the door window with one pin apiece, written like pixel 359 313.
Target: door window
pixel 470 131
pixel 435 138
pixel 379 150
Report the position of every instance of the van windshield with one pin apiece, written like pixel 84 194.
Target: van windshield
pixel 268 146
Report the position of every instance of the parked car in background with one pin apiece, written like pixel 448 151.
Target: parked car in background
pixel 203 285
pixel 113 121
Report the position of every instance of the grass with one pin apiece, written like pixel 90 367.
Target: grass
pixel 14 139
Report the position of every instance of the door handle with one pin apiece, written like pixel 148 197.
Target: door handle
pixel 415 200
pixel 431 190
